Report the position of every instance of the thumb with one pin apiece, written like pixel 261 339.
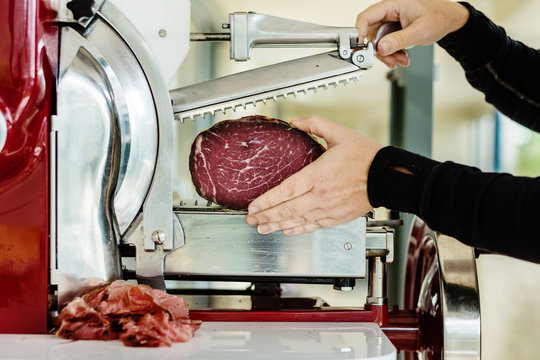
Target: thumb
pixel 392 43
pixel 317 126
pixel 412 35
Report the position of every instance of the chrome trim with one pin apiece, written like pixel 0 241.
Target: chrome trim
pixel 157 214
pixel 377 280
pixel 3 131
pixel 460 299
pixel 137 122
pixel 86 167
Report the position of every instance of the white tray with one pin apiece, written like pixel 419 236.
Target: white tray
pixel 223 340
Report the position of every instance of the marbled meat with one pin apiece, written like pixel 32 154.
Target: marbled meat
pixel 235 161
pixel 136 314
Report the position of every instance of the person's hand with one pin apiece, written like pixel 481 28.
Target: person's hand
pixel 423 22
pixel 330 191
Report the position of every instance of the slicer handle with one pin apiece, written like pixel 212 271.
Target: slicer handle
pixel 249 30
pixel 383 30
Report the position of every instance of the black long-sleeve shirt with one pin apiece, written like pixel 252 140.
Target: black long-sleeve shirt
pixel 492 211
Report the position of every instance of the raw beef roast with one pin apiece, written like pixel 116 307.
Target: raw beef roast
pixel 136 314
pixel 235 161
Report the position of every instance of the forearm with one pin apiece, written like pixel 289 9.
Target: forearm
pixel 485 210
pixel 499 67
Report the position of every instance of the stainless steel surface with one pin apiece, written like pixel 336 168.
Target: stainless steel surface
pixel 249 30
pixel 460 299
pixel 137 122
pixel 225 245
pixel 261 84
pixel 3 130
pixel 137 118
pixel 86 151
pixel 157 205
pixel 364 57
pixel 377 276
pixel 381 239
pixel 111 100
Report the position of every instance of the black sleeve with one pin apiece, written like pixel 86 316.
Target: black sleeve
pixel 491 211
pixel 505 70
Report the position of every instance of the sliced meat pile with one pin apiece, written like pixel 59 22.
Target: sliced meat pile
pixel 235 161
pixel 136 314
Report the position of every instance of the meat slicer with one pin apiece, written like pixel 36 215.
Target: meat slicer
pixel 87 134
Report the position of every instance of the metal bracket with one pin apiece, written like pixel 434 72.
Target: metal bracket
pixel 380 243
pixel 363 57
pixel 380 252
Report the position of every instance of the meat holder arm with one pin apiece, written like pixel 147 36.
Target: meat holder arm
pixel 248 30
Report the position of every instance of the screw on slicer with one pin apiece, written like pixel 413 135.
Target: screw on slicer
pixel 158 237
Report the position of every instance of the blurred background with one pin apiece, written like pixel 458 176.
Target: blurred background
pixel 461 127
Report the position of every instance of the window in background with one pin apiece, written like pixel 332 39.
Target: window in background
pixel 517 148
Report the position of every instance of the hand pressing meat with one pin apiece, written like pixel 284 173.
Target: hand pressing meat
pixel 136 314
pixel 235 161
pixel 327 192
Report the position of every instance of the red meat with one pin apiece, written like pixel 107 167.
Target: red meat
pixel 136 314
pixel 235 161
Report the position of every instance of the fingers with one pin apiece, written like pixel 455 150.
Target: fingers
pixel 402 58
pixel 292 187
pixel 287 214
pixel 321 223
pixel 318 126
pixel 412 35
pixel 311 217
pixel 303 229
pixel 375 15
pixel 399 58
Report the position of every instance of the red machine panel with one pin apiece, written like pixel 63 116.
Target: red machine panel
pixel 28 38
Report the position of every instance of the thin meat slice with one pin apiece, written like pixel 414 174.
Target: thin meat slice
pixel 155 330
pixel 136 314
pixel 235 161
pixel 80 321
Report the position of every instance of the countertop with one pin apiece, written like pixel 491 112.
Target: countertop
pixel 222 340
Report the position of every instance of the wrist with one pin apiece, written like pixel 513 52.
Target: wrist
pixel 396 179
pixel 460 16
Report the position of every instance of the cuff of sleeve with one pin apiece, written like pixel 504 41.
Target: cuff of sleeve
pixel 395 189
pixel 477 42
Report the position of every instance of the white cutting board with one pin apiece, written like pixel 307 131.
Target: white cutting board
pixel 223 340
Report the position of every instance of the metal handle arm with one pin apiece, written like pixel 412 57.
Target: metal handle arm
pixel 249 30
